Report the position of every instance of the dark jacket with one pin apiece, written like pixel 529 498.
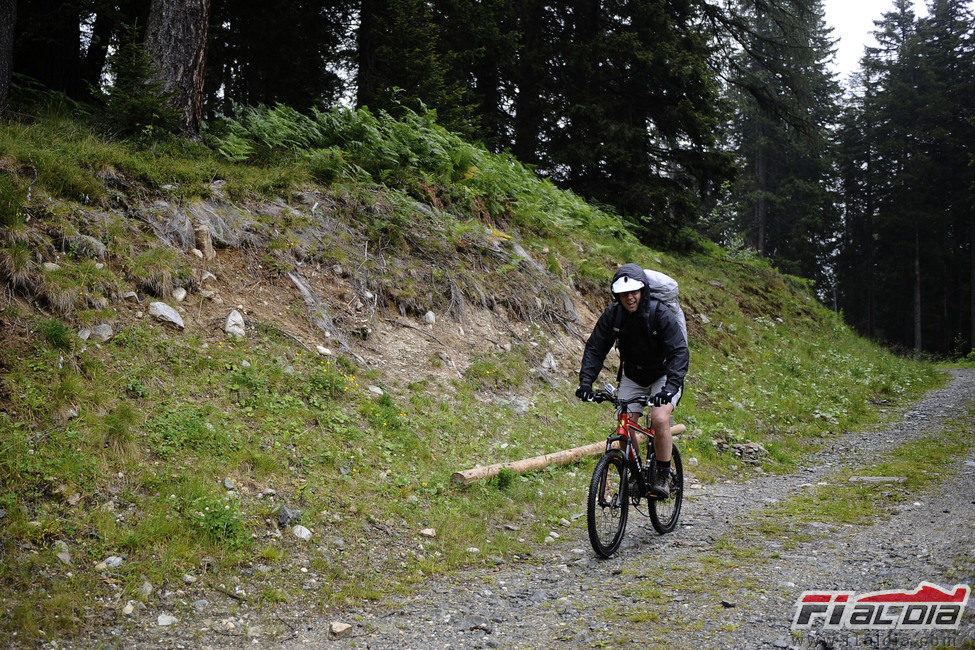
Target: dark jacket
pixel 650 340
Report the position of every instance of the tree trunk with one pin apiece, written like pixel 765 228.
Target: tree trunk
pixel 468 476
pixel 94 61
pixel 917 290
pixel 971 283
pixel 370 12
pixel 528 71
pixel 176 40
pixel 761 181
pixel 8 16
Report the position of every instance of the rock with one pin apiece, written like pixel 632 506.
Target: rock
pixel 549 362
pixel 235 324
pixel 322 350
pixel 165 619
pixel 877 479
pixel 102 332
pixel 287 516
pixel 207 276
pixel 339 630
pixel 63 553
pixel 128 609
pixel 89 247
pixel 113 561
pixel 428 532
pixel 131 295
pixel 204 241
pixel 430 318
pixel 520 405
pixel 179 294
pixel 473 550
pixel 375 389
pixel 84 333
pixel 704 319
pixel 565 523
pixel 51 266
pixel 197 252
pixel 301 533
pixel 268 492
pixel 228 484
pixel 692 461
pixel 189 579
pixel 145 590
pixel 245 364
pixel 165 313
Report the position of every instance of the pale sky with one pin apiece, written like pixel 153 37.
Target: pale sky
pixel 852 23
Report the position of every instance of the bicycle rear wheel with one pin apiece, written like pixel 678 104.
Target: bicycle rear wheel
pixel 608 504
pixel 665 512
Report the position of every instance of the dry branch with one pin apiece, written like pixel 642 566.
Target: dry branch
pixel 564 457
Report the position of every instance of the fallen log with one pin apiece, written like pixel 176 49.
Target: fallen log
pixel 564 457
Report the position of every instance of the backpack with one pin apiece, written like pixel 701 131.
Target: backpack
pixel 664 289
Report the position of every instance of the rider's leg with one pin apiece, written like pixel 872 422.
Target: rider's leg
pixel 663 442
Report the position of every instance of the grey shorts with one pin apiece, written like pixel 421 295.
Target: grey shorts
pixel 629 389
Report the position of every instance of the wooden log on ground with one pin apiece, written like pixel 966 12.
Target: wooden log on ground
pixel 563 457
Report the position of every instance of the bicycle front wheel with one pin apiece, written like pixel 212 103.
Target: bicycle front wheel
pixel 608 504
pixel 665 512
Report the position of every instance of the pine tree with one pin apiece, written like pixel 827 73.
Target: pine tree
pixel 784 201
pixel 8 16
pixel 289 53
pixel 401 62
pixel 641 111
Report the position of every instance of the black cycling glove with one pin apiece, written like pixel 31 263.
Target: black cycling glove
pixel 663 397
pixel 585 393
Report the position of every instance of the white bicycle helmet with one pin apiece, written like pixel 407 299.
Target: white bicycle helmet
pixel 625 285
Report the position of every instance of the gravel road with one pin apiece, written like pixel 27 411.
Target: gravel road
pixel 688 589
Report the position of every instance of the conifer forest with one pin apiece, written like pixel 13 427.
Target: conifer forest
pixel 692 119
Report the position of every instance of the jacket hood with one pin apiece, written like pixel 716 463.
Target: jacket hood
pixel 634 272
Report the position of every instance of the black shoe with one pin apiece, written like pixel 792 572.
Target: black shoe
pixel 660 487
pixel 632 486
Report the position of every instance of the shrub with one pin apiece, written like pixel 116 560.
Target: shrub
pixel 135 106
pixel 56 333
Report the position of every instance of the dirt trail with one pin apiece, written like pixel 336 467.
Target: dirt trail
pixel 568 597
pixel 682 590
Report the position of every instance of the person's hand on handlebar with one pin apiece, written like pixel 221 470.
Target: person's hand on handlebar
pixel 585 393
pixel 663 397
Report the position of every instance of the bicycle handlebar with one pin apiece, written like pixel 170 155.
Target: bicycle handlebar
pixel 602 395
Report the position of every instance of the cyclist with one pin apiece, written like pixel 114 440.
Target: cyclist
pixel 653 355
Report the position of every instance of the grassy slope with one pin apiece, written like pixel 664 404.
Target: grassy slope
pixel 164 417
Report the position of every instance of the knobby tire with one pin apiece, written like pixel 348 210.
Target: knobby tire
pixel 664 513
pixel 608 504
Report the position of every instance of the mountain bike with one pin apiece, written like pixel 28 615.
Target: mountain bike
pixel 622 479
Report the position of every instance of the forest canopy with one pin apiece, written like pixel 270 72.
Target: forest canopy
pixel 720 117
